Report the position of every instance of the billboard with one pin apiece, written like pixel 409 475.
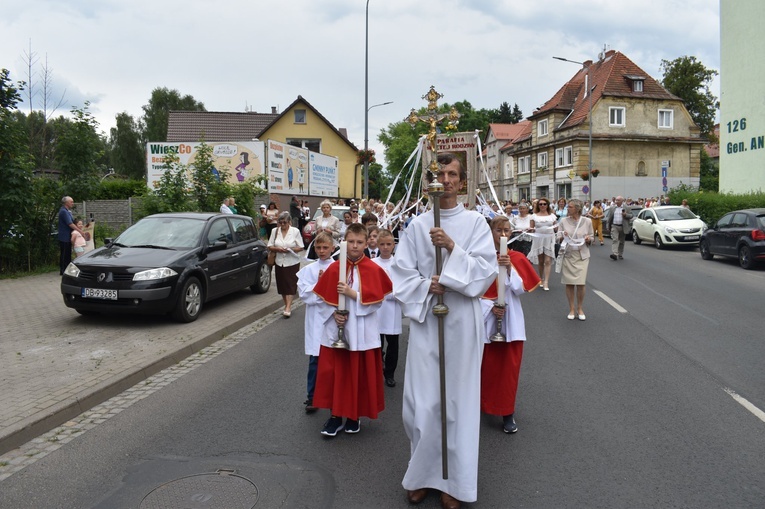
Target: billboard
pixel 242 161
pixel 287 168
pixel 323 175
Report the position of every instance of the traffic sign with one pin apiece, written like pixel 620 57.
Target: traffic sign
pixel 663 171
pixel 664 181
pixel 665 189
pixel 586 189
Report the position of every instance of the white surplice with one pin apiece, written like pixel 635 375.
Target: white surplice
pixel 390 312
pixel 467 272
pixel 513 324
pixel 314 324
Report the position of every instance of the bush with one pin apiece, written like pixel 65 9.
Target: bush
pixel 711 206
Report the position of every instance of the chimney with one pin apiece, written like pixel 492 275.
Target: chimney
pixel 273 110
pixel 587 63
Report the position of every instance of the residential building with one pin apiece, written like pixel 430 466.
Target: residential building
pixel 499 166
pixel 644 142
pixel 300 124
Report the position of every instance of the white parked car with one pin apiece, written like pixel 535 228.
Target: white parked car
pixel 667 226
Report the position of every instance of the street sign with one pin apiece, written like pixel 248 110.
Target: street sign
pixel 586 189
pixel 665 163
pixel 665 189
pixel 664 181
pixel 663 171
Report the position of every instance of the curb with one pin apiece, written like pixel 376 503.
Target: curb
pixel 42 422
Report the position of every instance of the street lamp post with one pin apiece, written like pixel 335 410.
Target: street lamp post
pixel 366 148
pixel 588 90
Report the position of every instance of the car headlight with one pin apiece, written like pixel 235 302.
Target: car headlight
pixel 72 270
pixel 154 274
pixel 670 230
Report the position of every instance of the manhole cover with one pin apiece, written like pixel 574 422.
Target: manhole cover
pixel 220 490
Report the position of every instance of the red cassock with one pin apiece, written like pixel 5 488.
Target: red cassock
pixel 501 365
pixel 350 383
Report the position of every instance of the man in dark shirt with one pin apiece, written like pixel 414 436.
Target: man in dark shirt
pixel 295 211
pixel 65 227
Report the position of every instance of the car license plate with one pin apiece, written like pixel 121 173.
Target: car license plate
pixel 98 293
pixel 692 237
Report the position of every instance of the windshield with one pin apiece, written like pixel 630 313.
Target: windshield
pixel 163 232
pixel 673 214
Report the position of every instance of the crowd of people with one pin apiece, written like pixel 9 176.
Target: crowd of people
pixel 391 272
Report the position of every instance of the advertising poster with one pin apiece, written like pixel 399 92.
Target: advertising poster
pixel 296 161
pixel 237 161
pixel 464 146
pixel 323 175
pixel 276 166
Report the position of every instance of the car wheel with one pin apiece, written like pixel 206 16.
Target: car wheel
pixel 658 242
pixel 704 250
pixel 263 280
pixel 189 301
pixel 745 257
pixel 637 240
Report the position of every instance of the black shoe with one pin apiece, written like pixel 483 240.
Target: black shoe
pixel 352 426
pixel 332 426
pixel 508 424
pixel 390 382
pixel 621 257
pixel 613 256
pixel 309 408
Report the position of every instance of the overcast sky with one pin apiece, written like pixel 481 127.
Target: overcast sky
pixel 233 54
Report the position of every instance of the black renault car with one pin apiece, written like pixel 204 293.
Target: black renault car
pixel 738 234
pixel 169 263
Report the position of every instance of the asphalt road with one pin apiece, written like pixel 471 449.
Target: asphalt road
pixel 627 409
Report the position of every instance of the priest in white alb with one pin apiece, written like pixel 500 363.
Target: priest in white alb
pixel 469 268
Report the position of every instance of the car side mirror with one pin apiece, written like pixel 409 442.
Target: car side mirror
pixel 108 241
pixel 218 245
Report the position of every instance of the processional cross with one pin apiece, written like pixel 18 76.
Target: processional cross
pixel 435 191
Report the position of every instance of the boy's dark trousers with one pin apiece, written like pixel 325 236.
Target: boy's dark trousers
pixel 390 354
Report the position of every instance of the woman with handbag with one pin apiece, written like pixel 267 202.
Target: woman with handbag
pixel 285 242
pixel 543 224
pixel 576 235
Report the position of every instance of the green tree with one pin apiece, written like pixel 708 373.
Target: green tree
pixel 126 153
pixel 506 115
pixel 209 183
pixel 157 112
pixel 79 154
pixel 172 191
pixel 709 175
pixel 689 79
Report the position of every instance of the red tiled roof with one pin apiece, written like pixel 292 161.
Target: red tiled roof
pixel 612 77
pixel 216 125
pixel 519 131
pixel 504 131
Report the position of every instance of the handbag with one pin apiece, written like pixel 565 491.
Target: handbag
pixel 271 260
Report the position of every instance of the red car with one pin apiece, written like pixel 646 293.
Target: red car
pixel 309 230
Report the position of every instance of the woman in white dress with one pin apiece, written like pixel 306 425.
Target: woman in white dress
pixel 543 224
pixel 521 224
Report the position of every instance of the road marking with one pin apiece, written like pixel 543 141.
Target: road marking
pixel 746 404
pixel 610 301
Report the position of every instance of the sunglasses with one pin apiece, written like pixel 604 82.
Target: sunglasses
pixel 543 203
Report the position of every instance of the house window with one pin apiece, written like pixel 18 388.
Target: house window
pixel 524 164
pixel 509 169
pixel 541 160
pixel 666 118
pixel 312 145
pixel 524 193
pixel 637 86
pixel 640 172
pixel 564 157
pixel 564 191
pixel 542 128
pixel 299 116
pixel 616 117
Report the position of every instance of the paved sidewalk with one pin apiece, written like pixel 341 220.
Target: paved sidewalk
pixel 56 364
